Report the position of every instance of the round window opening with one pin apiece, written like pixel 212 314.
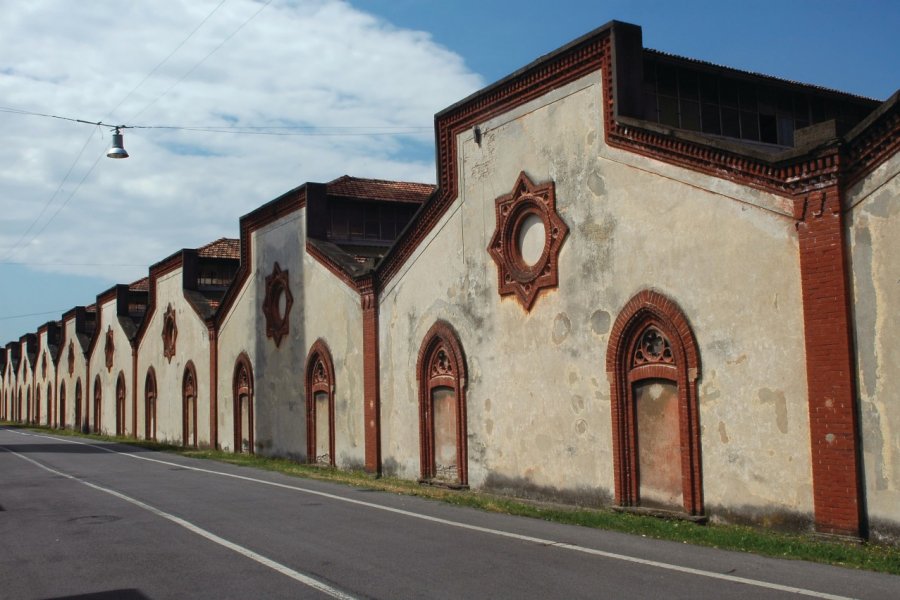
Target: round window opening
pixel 280 302
pixel 531 238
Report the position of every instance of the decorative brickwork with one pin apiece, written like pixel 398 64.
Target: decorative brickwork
pixel 189 406
pixel 70 358
pixel 242 392
pixel 169 333
pixel 109 349
pixel 98 403
pixel 652 340
pixel 277 304
pixel 319 380
pixel 829 363
pixel 515 274
pixel 371 375
pixel 441 376
pixel 120 404
pixel 150 404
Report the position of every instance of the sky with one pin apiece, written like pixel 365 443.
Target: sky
pixel 234 102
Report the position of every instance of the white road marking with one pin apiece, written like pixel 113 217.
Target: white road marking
pixel 276 566
pixel 487 530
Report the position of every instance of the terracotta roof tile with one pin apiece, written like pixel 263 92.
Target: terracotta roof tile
pixel 141 285
pixel 221 248
pixel 379 189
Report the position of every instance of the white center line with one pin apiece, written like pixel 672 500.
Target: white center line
pixel 486 530
pixel 268 562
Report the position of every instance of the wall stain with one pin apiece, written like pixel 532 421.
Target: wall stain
pixel 600 322
pixel 561 328
pixel 776 397
pixel 723 435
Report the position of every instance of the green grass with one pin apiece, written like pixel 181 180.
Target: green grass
pixel 870 556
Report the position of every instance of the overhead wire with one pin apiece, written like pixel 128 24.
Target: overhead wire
pixel 201 61
pixel 15 246
pixel 166 59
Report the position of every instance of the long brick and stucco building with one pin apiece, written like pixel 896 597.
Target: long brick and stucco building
pixel 641 280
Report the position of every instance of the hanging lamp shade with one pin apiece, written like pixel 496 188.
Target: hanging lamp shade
pixel 117 149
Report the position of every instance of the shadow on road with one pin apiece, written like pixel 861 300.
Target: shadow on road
pixel 129 594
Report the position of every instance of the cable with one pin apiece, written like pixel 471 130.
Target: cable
pixel 166 59
pixel 310 130
pixel 14 247
pixel 201 61
pixel 49 312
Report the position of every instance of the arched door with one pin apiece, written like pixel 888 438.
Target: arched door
pixel 120 405
pixel 442 407
pixel 78 407
pixel 150 405
pixel 189 406
pixel 320 405
pixel 62 406
pixel 243 405
pixel 653 364
pixel 98 403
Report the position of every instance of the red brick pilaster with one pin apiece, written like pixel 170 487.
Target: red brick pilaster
pixel 372 410
pixel 214 387
pixel 134 391
pixel 829 361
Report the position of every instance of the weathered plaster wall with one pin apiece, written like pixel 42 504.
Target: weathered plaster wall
pixel 122 363
pixel 538 395
pixel 45 379
pixel 874 237
pixel 71 380
pixel 25 384
pixel 323 307
pixel 192 344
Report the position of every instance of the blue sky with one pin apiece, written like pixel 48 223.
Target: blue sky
pixel 384 63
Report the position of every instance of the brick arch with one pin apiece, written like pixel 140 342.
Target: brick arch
pixel 189 391
pixel 645 311
pixel 98 403
pixel 150 404
pixel 441 364
pixel 319 378
pixel 120 403
pixel 242 385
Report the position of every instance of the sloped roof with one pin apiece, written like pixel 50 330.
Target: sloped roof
pixel 221 248
pixel 379 189
pixel 141 285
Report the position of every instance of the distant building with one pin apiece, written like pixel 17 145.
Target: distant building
pixel 642 280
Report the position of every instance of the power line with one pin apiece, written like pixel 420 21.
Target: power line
pixel 47 204
pixel 37 314
pixel 166 59
pixel 275 130
pixel 201 61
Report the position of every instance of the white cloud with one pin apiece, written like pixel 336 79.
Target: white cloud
pixel 300 63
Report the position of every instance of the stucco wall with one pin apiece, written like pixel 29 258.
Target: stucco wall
pixel 43 378
pixel 71 380
pixel 122 363
pixel 538 395
pixel 192 345
pixel 874 237
pixel 323 307
pixel 25 384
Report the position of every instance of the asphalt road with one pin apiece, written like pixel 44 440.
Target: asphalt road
pixel 84 519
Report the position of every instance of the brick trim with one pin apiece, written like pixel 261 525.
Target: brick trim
pixel 121 392
pixel 830 373
pixel 514 276
pixel 189 389
pixel 242 384
pixel 278 325
pixel 441 338
pixel 150 404
pixel 319 377
pixel 371 374
pixel 651 308
pixel 98 403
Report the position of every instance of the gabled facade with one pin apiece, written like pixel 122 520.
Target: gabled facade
pixel 48 340
pixel 73 369
pixel 25 377
pixel 291 332
pixel 112 396
pixel 174 364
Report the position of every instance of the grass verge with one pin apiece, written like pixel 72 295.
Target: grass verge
pixel 869 556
